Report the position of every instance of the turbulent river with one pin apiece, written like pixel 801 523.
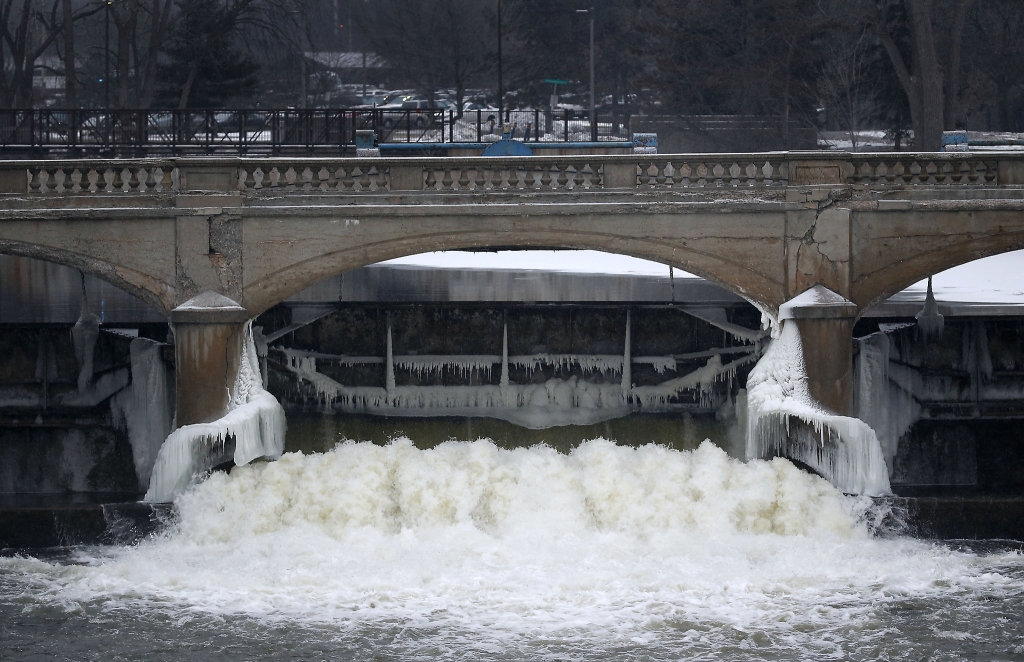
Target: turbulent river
pixel 470 551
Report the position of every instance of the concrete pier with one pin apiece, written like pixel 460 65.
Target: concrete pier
pixel 825 321
pixel 208 334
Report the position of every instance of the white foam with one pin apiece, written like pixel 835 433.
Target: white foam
pixel 468 545
pixel 255 421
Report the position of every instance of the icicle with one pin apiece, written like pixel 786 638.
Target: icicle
pixel 504 356
pixel 389 374
pixel 147 406
pixel 84 335
pixel 929 320
pixel 627 361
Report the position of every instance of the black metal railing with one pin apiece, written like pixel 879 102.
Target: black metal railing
pixel 159 131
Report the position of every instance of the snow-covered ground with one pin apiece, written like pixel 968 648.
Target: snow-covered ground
pixel 994 280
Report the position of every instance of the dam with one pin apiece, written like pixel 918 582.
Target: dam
pixel 518 453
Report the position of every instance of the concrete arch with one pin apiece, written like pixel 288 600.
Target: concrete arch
pixel 732 272
pixel 901 274
pixel 154 292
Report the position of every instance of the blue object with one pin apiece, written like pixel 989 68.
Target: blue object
pixel 508 148
pixel 954 141
pixel 645 143
pixel 366 139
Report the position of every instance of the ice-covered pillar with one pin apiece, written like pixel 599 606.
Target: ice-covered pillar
pixel 825 320
pixel 208 335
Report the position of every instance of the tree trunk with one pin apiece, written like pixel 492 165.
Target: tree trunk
pixel 186 89
pixel 929 76
pixel 952 109
pixel 70 84
pixel 125 24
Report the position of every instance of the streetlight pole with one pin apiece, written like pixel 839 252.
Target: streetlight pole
pixel 106 57
pixel 501 84
pixel 593 115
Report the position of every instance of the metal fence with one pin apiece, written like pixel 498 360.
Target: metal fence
pixel 145 132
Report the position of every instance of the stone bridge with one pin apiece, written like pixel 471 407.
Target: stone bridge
pixel 243 234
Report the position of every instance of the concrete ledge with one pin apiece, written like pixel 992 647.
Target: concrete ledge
pixel 210 308
pixel 124 523
pixel 818 302
pixel 952 517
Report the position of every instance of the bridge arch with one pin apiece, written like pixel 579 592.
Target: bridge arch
pixel 156 293
pixel 731 274
pixel 899 275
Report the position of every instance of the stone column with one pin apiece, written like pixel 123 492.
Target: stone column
pixel 825 321
pixel 208 336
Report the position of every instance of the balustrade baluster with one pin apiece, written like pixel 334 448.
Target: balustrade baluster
pixel 682 174
pixel 719 172
pixel 58 180
pixel 644 176
pixel 563 179
pixel 545 177
pixel 327 181
pixel 702 174
pixel 76 180
pixel 479 179
pixel 448 181
pixel 93 178
pixel 735 175
pixel 659 174
pixel 345 178
pixel 991 172
pixel 463 178
pixel 513 177
pixel 431 181
pixel 364 178
pixel 577 179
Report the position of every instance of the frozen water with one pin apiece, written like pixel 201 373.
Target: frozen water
pixel 255 421
pixel 843 449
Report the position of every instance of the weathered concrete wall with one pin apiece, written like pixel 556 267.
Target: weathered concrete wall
pixel 53 437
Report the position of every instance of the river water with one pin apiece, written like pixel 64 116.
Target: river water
pixel 471 551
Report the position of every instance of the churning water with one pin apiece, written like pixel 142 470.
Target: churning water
pixel 469 551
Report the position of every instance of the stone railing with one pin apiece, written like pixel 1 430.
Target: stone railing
pixel 510 174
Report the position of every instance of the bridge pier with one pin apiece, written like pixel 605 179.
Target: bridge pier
pixel 208 335
pixel 825 321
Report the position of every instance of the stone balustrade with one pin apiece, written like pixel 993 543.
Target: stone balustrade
pixel 509 174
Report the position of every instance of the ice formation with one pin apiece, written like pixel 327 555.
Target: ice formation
pixel 255 422
pixel 463 365
pixel 929 319
pixel 783 419
pixel 570 401
pixel 701 380
pixel 84 335
pixel 880 402
pixel 147 407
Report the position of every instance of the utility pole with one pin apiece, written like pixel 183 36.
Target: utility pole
pixel 593 114
pixel 501 84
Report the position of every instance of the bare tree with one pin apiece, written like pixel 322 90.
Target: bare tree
pixel 844 84
pixel 28 29
pixel 930 81
pixel 433 42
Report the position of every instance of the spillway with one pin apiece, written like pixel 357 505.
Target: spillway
pixel 482 464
